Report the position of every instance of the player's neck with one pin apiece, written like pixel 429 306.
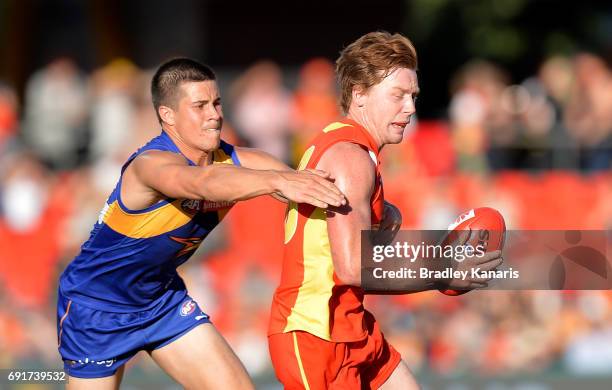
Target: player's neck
pixel 200 157
pixel 363 122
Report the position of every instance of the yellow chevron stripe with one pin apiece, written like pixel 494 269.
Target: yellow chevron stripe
pixel 335 126
pixel 306 158
pixel 150 224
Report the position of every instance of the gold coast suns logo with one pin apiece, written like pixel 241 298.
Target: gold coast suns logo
pixel 193 206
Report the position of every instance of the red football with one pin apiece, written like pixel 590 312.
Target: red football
pixel 487 227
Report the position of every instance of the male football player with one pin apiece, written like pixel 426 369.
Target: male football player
pixel 122 293
pixel 320 335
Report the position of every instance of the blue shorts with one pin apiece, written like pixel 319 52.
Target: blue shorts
pixel 95 343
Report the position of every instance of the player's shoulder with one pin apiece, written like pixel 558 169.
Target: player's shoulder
pixel 338 126
pixel 345 130
pixel 348 158
pixel 348 149
pixel 336 130
pixel 152 160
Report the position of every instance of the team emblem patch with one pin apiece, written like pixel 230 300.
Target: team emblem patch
pixel 187 308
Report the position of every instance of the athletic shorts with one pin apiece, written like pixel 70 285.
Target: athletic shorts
pixel 304 361
pixel 95 343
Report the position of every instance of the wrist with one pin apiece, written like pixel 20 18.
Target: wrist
pixel 442 264
pixel 275 182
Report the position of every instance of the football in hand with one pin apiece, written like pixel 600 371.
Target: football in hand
pixel 486 227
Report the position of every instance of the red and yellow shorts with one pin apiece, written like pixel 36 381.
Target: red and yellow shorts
pixel 304 361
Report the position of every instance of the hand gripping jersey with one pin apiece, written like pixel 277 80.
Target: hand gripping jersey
pixel 129 262
pixel 310 296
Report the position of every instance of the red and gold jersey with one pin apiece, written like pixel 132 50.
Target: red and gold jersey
pixel 310 296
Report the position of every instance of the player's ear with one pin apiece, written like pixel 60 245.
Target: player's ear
pixel 166 114
pixel 358 95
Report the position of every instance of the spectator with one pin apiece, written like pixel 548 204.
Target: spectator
pixel 56 114
pixel 261 109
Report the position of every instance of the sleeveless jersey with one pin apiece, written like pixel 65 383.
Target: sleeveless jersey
pixel 129 262
pixel 310 296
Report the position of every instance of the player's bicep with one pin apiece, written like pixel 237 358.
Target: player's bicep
pixel 344 225
pixel 167 173
pixel 258 159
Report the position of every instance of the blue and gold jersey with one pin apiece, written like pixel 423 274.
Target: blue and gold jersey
pixel 129 261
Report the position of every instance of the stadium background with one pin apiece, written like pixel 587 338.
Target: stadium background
pixel 515 113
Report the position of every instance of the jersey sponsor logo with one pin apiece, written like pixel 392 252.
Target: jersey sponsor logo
pixel 193 206
pixel 208 205
pixel 187 308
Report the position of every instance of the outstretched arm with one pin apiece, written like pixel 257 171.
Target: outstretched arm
pixel 165 174
pixel 257 159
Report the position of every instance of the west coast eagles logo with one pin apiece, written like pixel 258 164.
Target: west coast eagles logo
pixel 190 244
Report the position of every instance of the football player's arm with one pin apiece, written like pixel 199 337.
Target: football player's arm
pixel 169 174
pixel 258 159
pixel 344 225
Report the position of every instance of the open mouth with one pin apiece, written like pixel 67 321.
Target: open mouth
pixel 399 125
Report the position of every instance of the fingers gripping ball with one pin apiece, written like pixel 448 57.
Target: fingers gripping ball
pixel 486 227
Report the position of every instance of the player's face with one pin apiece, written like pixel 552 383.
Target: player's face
pixel 389 105
pixel 198 116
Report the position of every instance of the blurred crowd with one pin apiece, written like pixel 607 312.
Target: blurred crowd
pixel 540 151
pixel 559 118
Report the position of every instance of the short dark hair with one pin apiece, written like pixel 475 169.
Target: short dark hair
pixel 169 77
